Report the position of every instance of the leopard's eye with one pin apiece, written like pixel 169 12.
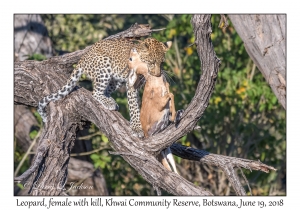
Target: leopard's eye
pixel 130 59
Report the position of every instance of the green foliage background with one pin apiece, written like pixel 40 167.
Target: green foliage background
pixel 244 118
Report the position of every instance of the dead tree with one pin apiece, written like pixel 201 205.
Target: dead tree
pixel 33 80
pixel 264 37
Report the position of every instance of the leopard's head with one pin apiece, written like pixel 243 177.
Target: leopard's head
pixel 152 52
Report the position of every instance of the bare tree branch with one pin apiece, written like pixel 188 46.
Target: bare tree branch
pixel 227 164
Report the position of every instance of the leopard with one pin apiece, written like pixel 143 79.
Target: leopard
pixel 106 64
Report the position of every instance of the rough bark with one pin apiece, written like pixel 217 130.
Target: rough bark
pixel 68 115
pixel 264 37
pixel 227 164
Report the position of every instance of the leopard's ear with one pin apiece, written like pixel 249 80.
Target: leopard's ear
pixel 168 45
pixel 132 77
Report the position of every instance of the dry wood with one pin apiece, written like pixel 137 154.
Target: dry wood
pixel 227 164
pixel 33 80
pixel 264 37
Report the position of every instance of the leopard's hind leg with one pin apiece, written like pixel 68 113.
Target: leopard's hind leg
pixel 103 82
pixel 99 93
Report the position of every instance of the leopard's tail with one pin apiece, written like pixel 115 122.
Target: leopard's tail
pixel 65 90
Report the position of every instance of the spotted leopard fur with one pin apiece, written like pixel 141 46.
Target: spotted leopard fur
pixel 106 65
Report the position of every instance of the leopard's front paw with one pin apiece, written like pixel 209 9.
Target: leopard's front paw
pixel 108 102
pixel 137 132
pixel 112 104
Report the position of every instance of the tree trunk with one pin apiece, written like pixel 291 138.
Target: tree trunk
pixel 264 37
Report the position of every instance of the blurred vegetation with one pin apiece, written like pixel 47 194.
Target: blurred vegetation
pixel 244 118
